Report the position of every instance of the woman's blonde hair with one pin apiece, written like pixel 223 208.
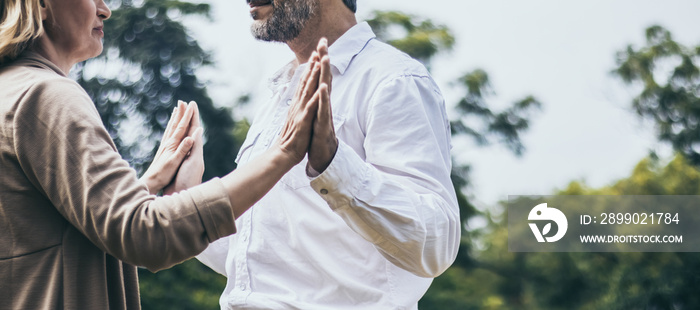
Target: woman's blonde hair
pixel 20 25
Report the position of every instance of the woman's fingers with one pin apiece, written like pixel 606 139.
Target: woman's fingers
pixel 195 123
pixel 174 119
pixel 198 136
pixel 191 171
pixel 182 151
pixel 181 128
pixel 168 127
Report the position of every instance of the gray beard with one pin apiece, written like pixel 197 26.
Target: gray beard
pixel 286 22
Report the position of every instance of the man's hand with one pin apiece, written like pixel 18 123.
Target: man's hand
pixel 174 146
pixel 324 143
pixel 294 139
pixel 192 168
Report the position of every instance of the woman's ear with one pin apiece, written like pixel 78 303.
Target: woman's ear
pixel 44 10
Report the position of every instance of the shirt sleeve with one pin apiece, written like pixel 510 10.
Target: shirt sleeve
pixel 400 197
pixel 67 154
pixel 214 256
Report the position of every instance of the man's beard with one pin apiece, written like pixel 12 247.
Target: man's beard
pixel 287 20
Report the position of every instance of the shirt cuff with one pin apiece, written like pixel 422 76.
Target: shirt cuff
pixel 311 172
pixel 346 174
pixel 214 207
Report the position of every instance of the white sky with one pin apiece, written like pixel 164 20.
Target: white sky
pixel 559 51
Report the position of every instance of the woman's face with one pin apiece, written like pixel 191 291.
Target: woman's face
pixel 74 27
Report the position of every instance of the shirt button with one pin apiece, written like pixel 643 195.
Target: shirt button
pixel 289 101
pixel 324 191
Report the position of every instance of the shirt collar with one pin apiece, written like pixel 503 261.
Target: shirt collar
pixel 341 52
pixel 351 43
pixel 34 59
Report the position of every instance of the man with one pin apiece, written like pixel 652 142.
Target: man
pixel 371 217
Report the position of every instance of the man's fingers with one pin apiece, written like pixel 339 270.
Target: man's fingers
pixel 322 47
pixel 305 76
pixel 325 113
pixel 326 75
pixel 312 108
pixel 312 83
pixel 305 121
pixel 315 57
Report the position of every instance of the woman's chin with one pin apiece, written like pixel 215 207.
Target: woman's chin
pixel 96 52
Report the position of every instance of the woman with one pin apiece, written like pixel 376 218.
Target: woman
pixel 75 220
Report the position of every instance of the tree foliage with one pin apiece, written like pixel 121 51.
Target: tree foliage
pixel 499 279
pixel 504 126
pixel 149 63
pixel 422 39
pixel 669 79
pixel 419 38
pixel 494 278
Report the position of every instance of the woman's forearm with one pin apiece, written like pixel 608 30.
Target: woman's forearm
pixel 247 184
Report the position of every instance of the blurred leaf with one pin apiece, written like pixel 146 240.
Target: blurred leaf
pixel 150 62
pixel 419 38
pixel 670 99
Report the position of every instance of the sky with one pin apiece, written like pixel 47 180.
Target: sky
pixel 561 52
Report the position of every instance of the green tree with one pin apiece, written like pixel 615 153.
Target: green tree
pixel 671 98
pixel 149 63
pixel 499 279
pixel 420 38
pixel 424 40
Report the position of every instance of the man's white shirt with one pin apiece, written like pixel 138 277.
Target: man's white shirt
pixel 372 230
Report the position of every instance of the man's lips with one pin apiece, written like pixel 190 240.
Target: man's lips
pixel 256 3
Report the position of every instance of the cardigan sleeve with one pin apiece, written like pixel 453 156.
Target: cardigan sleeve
pixel 65 151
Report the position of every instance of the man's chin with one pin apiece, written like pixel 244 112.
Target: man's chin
pixel 261 30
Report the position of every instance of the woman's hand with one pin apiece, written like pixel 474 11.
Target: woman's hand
pixel 173 149
pixel 192 168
